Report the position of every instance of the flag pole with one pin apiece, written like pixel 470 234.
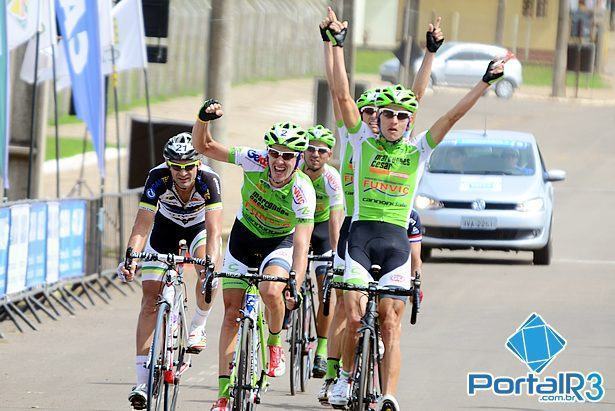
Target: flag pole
pixel 56 126
pixel 150 129
pixel 34 89
pixel 120 203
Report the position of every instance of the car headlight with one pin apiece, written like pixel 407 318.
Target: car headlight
pixel 535 204
pixel 427 203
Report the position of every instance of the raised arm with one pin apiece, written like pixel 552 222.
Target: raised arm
pixel 328 53
pixel 434 39
pixel 341 88
pixel 495 70
pixel 202 139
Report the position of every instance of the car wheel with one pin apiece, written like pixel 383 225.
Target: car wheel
pixel 504 88
pixel 425 253
pixel 543 255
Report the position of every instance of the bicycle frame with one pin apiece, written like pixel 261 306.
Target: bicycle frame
pixel 252 317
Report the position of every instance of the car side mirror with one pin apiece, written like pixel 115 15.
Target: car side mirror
pixel 555 175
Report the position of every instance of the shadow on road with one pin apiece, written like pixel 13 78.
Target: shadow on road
pixel 475 260
pixel 504 408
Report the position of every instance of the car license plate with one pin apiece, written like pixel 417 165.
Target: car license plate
pixel 478 223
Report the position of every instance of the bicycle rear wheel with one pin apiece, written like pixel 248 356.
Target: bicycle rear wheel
pixel 156 361
pixel 241 391
pixel 308 337
pixel 296 364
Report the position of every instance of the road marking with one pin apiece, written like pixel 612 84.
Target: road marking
pixel 587 190
pixel 579 261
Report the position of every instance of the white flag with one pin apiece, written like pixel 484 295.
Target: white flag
pixel 21 20
pixel 130 50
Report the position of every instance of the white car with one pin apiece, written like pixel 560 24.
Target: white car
pixel 462 64
pixel 487 190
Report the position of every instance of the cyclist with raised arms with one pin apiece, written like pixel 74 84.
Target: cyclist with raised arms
pixel 327 222
pixel 272 231
pixel 386 169
pixel 366 104
pixel 181 201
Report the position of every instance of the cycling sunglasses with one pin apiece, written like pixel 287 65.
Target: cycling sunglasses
pixel 286 155
pixel 400 114
pixel 321 150
pixel 369 110
pixel 179 167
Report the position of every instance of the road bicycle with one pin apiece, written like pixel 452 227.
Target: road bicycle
pixel 249 379
pixel 366 380
pixel 168 358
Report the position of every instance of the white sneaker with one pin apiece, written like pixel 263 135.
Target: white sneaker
pixel 340 393
pixel 197 340
pixel 138 397
pixel 323 394
pixel 387 403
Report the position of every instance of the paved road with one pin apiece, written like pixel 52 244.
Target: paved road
pixel 474 301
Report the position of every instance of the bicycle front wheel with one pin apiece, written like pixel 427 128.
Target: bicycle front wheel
pixel 243 383
pixel 179 364
pixel 156 361
pixel 362 362
pixel 308 339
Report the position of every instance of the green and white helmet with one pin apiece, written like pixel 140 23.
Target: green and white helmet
pixel 320 133
pixel 399 96
pixel 368 98
pixel 288 134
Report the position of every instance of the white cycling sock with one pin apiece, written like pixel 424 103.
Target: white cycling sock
pixel 200 317
pixel 140 361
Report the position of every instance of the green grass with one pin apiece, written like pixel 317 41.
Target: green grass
pixel 369 61
pixel 68 147
pixel 542 75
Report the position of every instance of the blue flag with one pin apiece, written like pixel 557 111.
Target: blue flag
pixel 79 26
pixel 4 99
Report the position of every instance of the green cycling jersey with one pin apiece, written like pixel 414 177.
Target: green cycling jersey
pixel 329 194
pixel 386 174
pixel 267 211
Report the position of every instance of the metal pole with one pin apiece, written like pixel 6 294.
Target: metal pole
pixel 500 22
pixel 561 44
pixel 150 126
pixel 34 89
pixel 349 46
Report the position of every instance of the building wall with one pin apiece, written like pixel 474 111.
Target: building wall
pixel 476 21
pixel 376 22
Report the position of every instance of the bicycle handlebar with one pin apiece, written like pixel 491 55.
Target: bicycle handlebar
pixel 168 259
pixel 321 257
pixel 248 276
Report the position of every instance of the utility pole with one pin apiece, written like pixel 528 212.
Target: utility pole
pixel 219 61
pixel 500 23
pixel 349 47
pixel 561 48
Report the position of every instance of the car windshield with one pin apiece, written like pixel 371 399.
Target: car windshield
pixel 483 157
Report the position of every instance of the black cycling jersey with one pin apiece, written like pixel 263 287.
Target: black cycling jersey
pixel 160 196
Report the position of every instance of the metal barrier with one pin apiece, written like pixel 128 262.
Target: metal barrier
pixel 53 254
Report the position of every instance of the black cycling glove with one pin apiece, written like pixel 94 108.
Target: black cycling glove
pixel 490 77
pixel 323 34
pixel 337 39
pixel 204 115
pixel 432 44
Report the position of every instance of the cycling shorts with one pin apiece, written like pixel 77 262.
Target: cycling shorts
pixel 321 245
pixel 246 250
pixel 342 243
pixel 383 244
pixel 164 239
